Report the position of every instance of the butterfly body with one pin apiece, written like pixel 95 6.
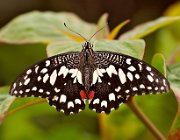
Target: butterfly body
pixel 106 79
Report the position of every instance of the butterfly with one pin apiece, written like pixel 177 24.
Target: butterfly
pixel 106 79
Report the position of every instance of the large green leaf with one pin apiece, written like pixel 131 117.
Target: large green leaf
pixel 44 27
pixel 134 48
pixel 144 29
pixel 5 101
pixel 158 62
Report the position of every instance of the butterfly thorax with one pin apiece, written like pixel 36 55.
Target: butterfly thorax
pixel 87 67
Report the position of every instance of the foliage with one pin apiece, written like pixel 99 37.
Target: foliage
pixel 45 31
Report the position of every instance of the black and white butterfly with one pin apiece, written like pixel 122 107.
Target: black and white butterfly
pixel 106 79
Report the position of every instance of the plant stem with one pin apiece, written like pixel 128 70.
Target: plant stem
pixel 152 128
pixel 103 127
pixel 24 106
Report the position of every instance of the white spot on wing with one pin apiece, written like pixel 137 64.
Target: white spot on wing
pixel 111 70
pixel 102 70
pixel 142 86
pixel 95 77
pixel 130 76
pixel 41 90
pixel 47 63
pixel 62 98
pixel 29 71
pixel 99 80
pixel 55 98
pixel 104 103
pixel 36 69
pixel 26 81
pixel 34 88
pixel 77 101
pixel 137 76
pixel 14 85
pixel 150 78
pixel 99 72
pixel 134 89
pixel 39 78
pixel 63 70
pixel 45 78
pixel 74 72
pixel 96 101
pixel 44 70
pixel 70 104
pixel 111 97
pixel 132 68
pixel 127 91
pixel 27 90
pixel 157 80
pixel 140 66
pixel 117 89
pixel 57 90
pixel 148 68
pixel 53 77
pixel 162 88
pixel 122 76
pixel 164 82
pixel 47 92
pixel 128 61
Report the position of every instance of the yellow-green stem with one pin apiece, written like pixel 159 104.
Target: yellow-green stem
pixel 152 128
pixel 24 106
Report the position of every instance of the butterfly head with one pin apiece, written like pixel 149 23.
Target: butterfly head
pixel 87 49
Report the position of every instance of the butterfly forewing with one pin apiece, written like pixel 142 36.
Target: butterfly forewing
pixel 119 76
pixel 56 79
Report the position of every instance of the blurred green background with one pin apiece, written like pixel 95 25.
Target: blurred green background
pixel 42 122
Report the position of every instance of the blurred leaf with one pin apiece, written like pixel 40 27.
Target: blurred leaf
pixel 116 30
pixel 143 30
pixel 174 75
pixel 158 62
pixel 174 78
pixel 74 37
pixel 173 10
pixel 133 48
pixel 174 133
pixel 5 101
pixel 43 27
pixel 102 22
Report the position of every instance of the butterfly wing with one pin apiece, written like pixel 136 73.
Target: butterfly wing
pixel 56 79
pixel 119 76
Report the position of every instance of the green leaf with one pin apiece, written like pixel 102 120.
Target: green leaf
pixel 158 62
pixel 102 22
pixel 174 75
pixel 133 48
pixel 143 30
pixel 35 27
pixel 174 78
pixel 5 101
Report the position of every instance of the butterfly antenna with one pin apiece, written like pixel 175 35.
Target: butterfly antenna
pixel 74 32
pixel 97 32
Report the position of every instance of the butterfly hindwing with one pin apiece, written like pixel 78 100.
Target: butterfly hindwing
pixel 119 76
pixel 56 80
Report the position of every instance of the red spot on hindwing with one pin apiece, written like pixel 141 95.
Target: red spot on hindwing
pixel 91 94
pixel 83 94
